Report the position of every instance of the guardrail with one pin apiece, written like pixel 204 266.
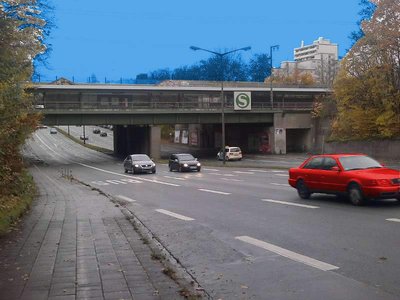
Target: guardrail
pixel 183 106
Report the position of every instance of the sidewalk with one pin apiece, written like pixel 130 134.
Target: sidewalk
pixel 76 244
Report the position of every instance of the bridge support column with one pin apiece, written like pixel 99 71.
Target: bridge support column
pixel 130 139
pixel 279 134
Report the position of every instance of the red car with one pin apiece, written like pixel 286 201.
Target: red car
pixel 356 175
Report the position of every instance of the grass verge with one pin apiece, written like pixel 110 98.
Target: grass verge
pixel 12 207
pixel 90 146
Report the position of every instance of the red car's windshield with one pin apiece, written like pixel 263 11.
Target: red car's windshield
pixel 358 163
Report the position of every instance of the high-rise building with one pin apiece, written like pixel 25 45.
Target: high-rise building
pixel 320 60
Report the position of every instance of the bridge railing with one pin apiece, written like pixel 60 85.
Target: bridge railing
pixel 184 106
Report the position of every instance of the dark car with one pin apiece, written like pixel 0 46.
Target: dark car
pixel 103 133
pixel 96 131
pixel 183 162
pixel 356 175
pixel 139 163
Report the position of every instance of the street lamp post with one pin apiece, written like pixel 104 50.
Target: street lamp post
pixel 274 47
pixel 221 55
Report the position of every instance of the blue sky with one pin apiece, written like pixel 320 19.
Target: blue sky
pixel 123 38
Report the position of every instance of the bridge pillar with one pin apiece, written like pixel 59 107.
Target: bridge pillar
pixel 130 139
pixel 279 134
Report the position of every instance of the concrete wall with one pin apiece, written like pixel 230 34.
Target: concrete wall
pixel 381 149
pixel 284 121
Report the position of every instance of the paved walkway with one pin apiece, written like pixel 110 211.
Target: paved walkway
pixel 76 244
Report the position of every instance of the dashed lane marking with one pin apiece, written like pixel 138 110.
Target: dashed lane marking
pixel 127 199
pixel 232 179
pixel 243 172
pixel 393 220
pixel 289 203
pixel 288 254
pixel 175 215
pixel 172 177
pixel 284 175
pixel 207 169
pixel 214 192
pixel 280 184
pixel 114 181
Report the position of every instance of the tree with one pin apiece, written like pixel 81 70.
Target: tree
pixel 22 39
pixel 367 89
pixel 366 12
pixel 259 67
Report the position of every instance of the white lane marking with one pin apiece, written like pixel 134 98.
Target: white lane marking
pixel 172 177
pixel 281 184
pixel 125 198
pixel 260 171
pixel 128 176
pixel 172 214
pixel 131 180
pixel 232 179
pixel 285 175
pixel 243 172
pixel 289 203
pixel 215 192
pixel 114 181
pixel 207 169
pixel 393 220
pixel 220 174
pixel 100 183
pixel 288 254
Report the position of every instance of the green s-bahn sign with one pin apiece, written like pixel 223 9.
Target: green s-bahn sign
pixel 242 100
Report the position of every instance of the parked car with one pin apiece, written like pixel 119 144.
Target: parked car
pixel 96 131
pixel 84 137
pixel 53 130
pixel 183 162
pixel 357 176
pixel 103 133
pixel 231 153
pixel 139 163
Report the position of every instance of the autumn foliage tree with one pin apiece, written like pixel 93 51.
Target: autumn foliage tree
pixel 367 88
pixel 22 33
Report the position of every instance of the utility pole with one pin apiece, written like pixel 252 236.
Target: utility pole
pixel 271 75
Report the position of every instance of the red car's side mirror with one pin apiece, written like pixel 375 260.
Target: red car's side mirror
pixel 335 168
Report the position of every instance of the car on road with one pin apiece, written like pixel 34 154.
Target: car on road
pixel 183 162
pixel 53 130
pixel 96 131
pixel 357 176
pixel 103 133
pixel 139 163
pixel 231 153
pixel 84 137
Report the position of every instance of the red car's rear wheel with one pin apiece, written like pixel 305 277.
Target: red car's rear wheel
pixel 302 190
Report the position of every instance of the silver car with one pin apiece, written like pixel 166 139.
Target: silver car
pixel 139 163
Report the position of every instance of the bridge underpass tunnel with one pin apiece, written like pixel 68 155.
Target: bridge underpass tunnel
pixel 130 139
pixel 205 139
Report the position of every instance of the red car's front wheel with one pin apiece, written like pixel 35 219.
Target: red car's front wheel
pixel 355 195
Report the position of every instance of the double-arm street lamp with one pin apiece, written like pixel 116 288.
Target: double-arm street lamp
pixel 221 55
pixel 274 47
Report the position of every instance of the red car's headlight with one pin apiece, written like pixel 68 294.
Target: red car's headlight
pixel 381 182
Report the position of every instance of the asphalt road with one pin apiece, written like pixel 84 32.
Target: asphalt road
pixel 243 233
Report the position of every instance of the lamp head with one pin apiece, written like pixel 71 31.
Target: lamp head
pixel 194 48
